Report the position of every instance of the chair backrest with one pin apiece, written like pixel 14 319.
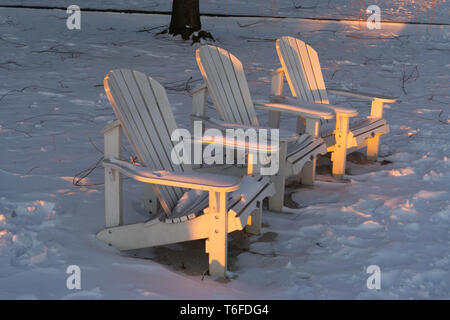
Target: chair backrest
pixel 227 85
pixel 302 69
pixel 142 107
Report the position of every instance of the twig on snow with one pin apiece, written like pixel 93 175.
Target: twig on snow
pixel 409 77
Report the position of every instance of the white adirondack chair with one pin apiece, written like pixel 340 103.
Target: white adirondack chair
pixel 216 205
pixel 300 64
pixel 225 82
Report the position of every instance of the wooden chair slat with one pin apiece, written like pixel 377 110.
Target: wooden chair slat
pixel 289 61
pixel 217 92
pixel 296 61
pixel 226 75
pixel 243 86
pixel 233 82
pixel 308 72
pixel 315 64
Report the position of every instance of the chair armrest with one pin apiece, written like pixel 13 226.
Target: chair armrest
pixel 348 112
pixel 236 144
pixel 363 95
pixel 189 180
pixel 297 109
pixel 284 135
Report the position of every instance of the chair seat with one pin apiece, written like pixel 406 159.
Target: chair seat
pixel 193 202
pixel 303 150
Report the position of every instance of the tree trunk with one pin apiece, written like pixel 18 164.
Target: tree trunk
pixel 185 18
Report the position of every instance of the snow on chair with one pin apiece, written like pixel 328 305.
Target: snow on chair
pixel 215 205
pixel 300 64
pixel 225 82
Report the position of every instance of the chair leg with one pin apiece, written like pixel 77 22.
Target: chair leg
pixel 254 226
pixel 372 148
pixel 113 179
pixel 218 234
pixel 338 157
pixel 276 201
pixel 309 172
pixel 151 202
pixel 339 154
pixel 374 142
pixel 311 126
pixel 301 125
pixel 274 119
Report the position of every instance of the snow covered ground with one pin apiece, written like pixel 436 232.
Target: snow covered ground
pixel 52 107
